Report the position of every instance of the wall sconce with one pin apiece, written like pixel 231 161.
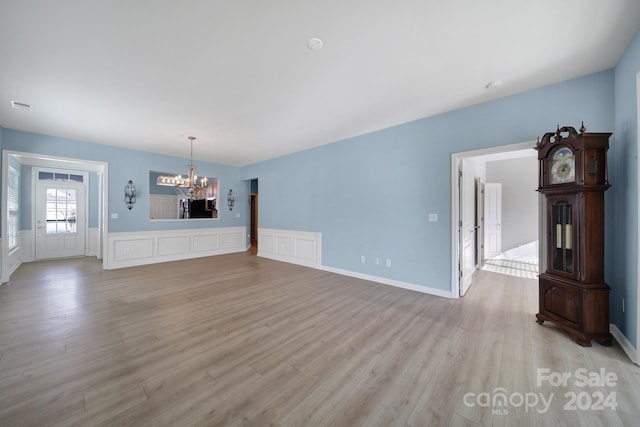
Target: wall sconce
pixel 231 200
pixel 130 194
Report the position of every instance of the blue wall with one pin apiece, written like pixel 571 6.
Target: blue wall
pixel 370 195
pixel 624 245
pixel 125 164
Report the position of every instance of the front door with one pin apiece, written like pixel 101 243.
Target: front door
pixel 60 219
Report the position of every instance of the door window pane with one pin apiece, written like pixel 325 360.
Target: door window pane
pixel 57 176
pixel 61 209
pixel 45 175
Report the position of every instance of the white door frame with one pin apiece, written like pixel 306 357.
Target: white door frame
pixel 637 361
pixel 456 161
pixel 35 203
pixel 43 160
pixel 466 227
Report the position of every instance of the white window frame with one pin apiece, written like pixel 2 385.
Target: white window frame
pixel 13 209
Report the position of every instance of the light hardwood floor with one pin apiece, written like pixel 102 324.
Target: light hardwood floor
pixel 241 340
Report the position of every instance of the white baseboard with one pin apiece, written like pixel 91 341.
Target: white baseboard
pixel 392 282
pixel 305 248
pixel 150 247
pixel 624 343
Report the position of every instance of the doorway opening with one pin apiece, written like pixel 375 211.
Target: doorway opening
pixel 495 213
pixel 253 235
pixel 62 221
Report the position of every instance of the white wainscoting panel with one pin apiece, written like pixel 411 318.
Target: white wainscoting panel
pixel 172 245
pixel 132 248
pixel 232 239
pixel 27 251
pixel 206 242
pixel 14 259
pixel 149 247
pixel 296 247
pixel 92 241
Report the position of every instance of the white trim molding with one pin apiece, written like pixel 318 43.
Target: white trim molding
pixel 305 248
pixel 637 358
pixel 26 245
pixel 42 160
pixel 296 247
pixel 149 247
pixel 624 343
pixel 456 162
pixel 92 241
pixel 391 282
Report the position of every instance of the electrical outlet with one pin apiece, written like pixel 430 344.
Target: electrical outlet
pixel 388 262
pixel 362 258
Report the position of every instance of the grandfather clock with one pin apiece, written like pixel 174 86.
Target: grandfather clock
pixel 573 179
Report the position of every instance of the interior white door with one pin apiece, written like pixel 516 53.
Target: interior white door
pixel 492 220
pixel 479 188
pixel 60 219
pixel 466 226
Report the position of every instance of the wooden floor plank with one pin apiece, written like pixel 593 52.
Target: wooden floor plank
pixel 241 340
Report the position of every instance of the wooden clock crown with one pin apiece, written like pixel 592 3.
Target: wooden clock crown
pixel 589 149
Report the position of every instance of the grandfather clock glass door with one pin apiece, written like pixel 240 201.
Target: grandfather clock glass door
pixel 562 230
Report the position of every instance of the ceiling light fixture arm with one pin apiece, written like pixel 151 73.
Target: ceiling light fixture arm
pixel 188 187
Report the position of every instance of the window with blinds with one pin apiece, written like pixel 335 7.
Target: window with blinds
pixel 13 207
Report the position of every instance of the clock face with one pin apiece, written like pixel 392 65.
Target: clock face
pixel 562 163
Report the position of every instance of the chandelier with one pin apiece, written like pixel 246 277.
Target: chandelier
pixel 189 186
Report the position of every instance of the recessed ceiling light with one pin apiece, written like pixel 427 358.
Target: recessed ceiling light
pixel 494 84
pixel 314 43
pixel 20 105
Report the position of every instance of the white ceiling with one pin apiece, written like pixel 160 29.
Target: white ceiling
pixel 238 74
